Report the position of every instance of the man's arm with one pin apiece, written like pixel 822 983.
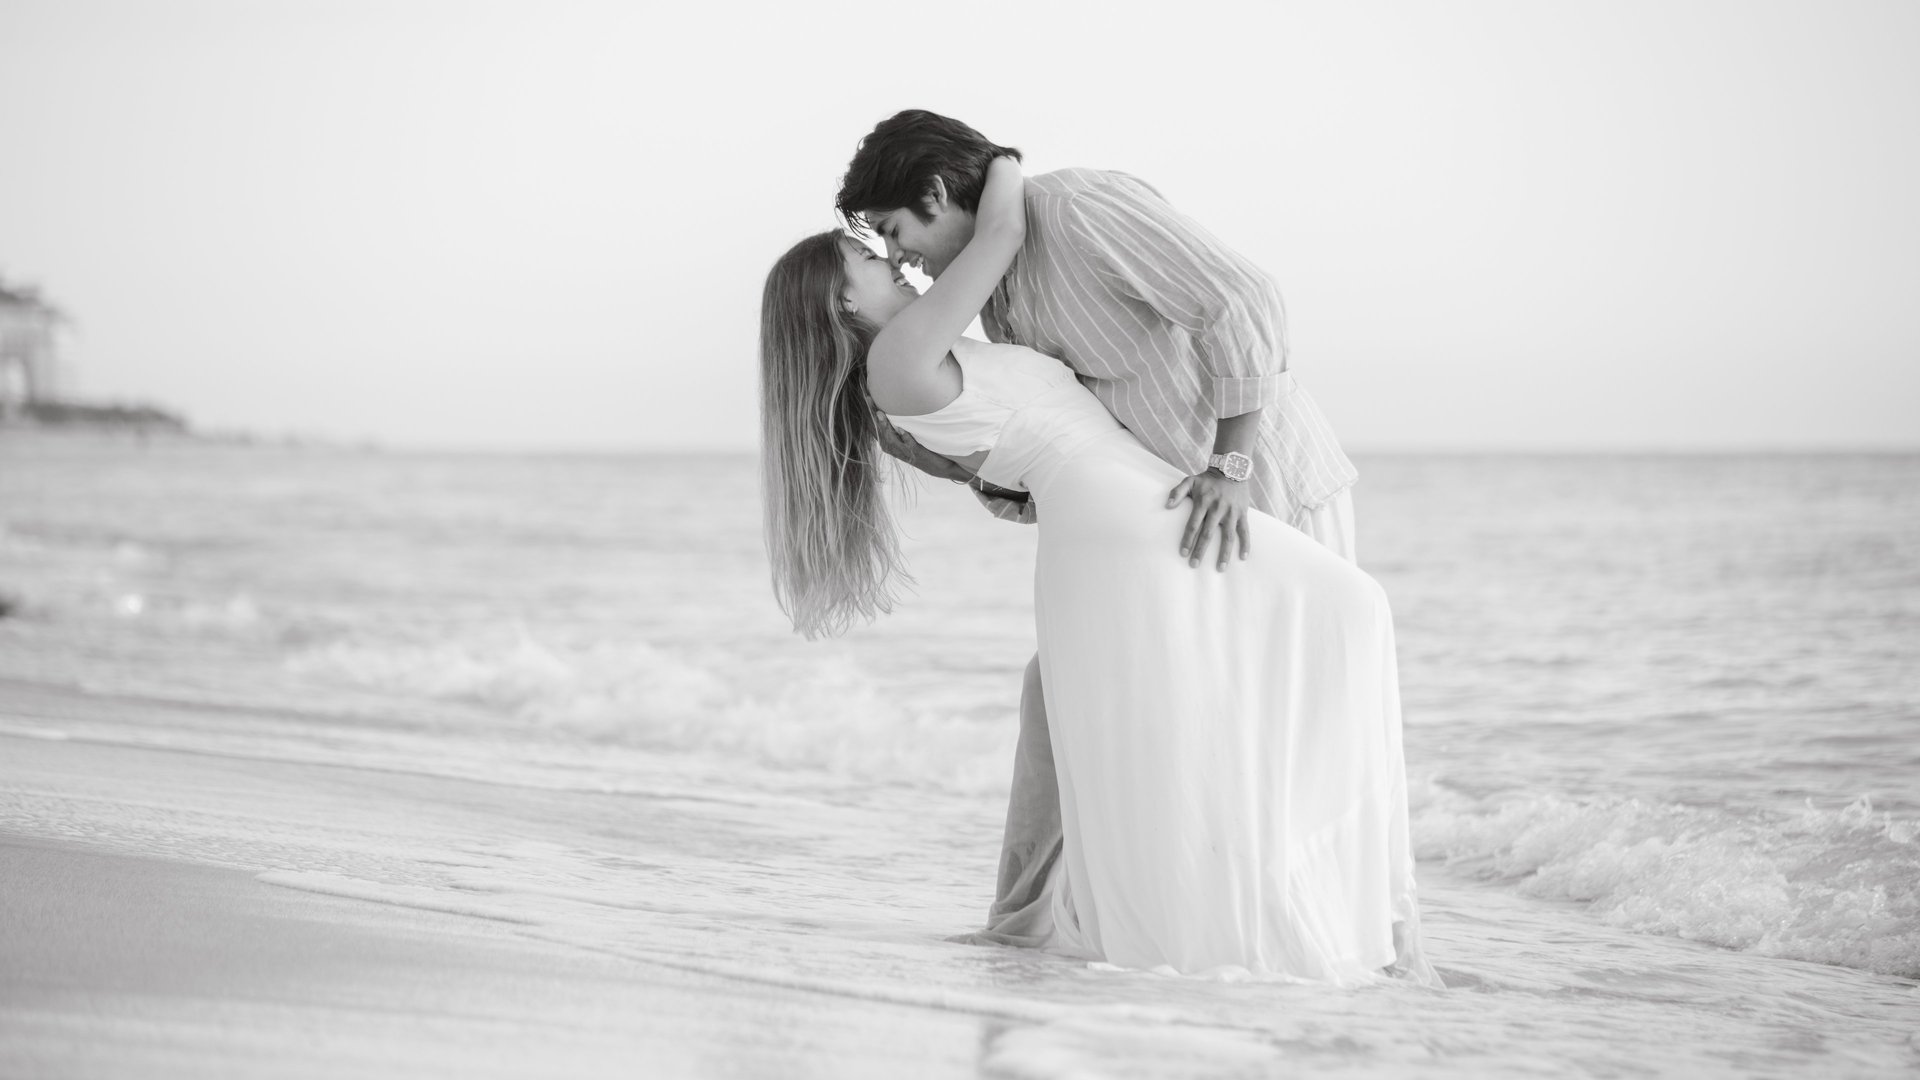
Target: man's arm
pixel 1135 243
pixel 908 449
pixel 1004 503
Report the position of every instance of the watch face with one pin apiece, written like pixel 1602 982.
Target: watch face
pixel 1234 466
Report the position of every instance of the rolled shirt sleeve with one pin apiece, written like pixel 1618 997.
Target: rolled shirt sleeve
pixel 1139 246
pixel 1128 317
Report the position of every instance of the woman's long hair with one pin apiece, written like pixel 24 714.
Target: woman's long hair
pixel 830 538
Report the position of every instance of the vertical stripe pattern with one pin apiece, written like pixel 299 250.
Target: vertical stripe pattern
pixel 1169 328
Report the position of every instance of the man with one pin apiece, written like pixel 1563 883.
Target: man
pixel 1182 339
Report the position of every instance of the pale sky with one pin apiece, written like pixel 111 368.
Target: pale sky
pixel 545 225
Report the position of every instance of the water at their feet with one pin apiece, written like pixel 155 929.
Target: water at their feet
pixel 1660 719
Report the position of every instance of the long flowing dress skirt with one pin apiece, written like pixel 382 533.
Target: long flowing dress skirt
pixel 1232 786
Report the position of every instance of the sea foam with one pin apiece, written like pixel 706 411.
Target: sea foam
pixel 831 717
pixel 1830 886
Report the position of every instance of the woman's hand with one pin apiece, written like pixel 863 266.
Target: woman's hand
pixel 1003 202
pixel 910 349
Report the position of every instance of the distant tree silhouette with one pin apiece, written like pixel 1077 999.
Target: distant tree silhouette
pixel 28 358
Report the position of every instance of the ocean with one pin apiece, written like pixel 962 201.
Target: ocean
pixel 1662 728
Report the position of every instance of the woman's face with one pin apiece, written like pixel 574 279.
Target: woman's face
pixel 874 288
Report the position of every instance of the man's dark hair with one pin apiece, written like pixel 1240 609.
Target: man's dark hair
pixel 896 164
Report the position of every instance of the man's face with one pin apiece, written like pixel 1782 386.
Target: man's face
pixel 929 245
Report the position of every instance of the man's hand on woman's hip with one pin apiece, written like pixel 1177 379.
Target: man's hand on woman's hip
pixel 1220 508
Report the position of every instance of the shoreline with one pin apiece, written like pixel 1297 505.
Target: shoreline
pixel 176 913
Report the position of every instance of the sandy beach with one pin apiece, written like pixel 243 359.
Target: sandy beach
pixel 120 963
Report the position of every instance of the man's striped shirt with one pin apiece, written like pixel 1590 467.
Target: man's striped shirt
pixel 1169 328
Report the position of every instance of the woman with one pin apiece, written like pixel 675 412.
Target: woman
pixel 1232 788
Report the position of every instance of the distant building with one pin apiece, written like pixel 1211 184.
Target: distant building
pixel 29 365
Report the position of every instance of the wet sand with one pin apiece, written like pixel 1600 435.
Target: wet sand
pixel 115 964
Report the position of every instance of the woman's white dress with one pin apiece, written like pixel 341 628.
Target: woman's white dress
pixel 1232 786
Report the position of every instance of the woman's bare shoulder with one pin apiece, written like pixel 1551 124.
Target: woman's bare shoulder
pixel 916 394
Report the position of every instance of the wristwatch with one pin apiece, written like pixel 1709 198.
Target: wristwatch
pixel 1233 465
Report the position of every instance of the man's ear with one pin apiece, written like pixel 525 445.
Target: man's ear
pixel 935 200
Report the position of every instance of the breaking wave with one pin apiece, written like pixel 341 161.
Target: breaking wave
pixel 1829 886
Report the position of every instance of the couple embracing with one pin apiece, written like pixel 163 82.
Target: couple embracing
pixel 1209 776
